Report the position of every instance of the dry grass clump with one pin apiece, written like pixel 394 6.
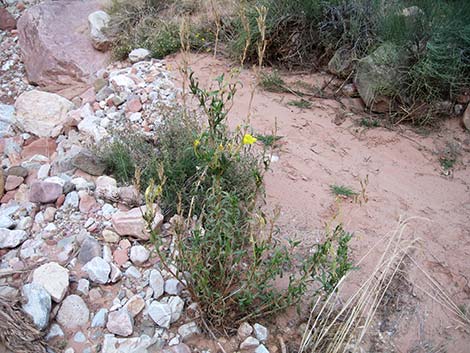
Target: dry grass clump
pixel 335 327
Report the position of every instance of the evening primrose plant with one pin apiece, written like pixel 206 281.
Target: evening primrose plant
pixel 223 245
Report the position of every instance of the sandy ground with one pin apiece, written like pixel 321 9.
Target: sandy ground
pixel 405 179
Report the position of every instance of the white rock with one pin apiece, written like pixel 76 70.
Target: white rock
pixel 173 287
pixel 107 254
pixel 121 82
pixel 140 344
pixel 6 222
pixel 54 278
pixel 177 306
pixel 11 238
pixel 139 54
pixel 40 112
pixel 160 313
pixel 139 255
pixel 83 286
pixel 43 171
pixel 157 283
pixel 98 270
pixel 99 320
pixel 133 272
pixel 261 332
pixel 71 200
pixel 106 188
pixel 38 304
pixel 188 330
pixel 116 273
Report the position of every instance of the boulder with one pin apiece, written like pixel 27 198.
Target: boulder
pixel 98 21
pixel 377 75
pixel 7 21
pixel 56 48
pixel 40 112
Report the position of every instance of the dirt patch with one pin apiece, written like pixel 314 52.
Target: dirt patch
pixel 405 179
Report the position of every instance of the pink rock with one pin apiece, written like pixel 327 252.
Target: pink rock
pixel 60 201
pixel 131 223
pixel 13 182
pixel 44 192
pixel 87 203
pixel 56 46
pixel 7 21
pixel 10 195
pixel 42 146
pixel 134 105
pixel 120 256
pixel 88 96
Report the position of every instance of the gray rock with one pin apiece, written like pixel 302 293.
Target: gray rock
pixel 54 331
pixel 177 306
pixel 7 119
pixel 261 349
pixel 160 313
pixel 45 192
pixel 173 286
pixel 139 54
pixel 377 75
pixel 18 170
pixel 11 238
pixel 249 343
pixel 89 249
pixel 157 283
pixel 120 323
pixel 98 270
pixel 73 312
pixel 83 286
pixel 261 332
pixel 244 330
pixel 71 200
pixel 188 330
pixel 341 64
pixel 139 255
pixel 38 305
pixel 79 337
pixel 133 272
pixel 54 278
pixel 100 318
pixel 98 22
pixel 86 161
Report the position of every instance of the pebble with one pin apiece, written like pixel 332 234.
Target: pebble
pixel 79 337
pixel 100 318
pixel 157 283
pixel 83 286
pixel 177 306
pixel 261 332
pixel 188 330
pixel 173 287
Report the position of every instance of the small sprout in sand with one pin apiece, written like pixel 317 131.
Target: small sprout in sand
pixel 342 191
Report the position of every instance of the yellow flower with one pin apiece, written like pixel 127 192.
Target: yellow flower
pixel 249 139
pixel 196 143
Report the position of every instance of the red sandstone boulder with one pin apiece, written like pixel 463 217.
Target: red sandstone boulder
pixel 56 46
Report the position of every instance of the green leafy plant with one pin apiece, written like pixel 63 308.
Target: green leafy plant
pixel 273 82
pixel 302 104
pixel 229 258
pixel 343 191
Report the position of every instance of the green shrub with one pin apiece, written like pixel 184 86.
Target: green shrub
pixel 229 258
